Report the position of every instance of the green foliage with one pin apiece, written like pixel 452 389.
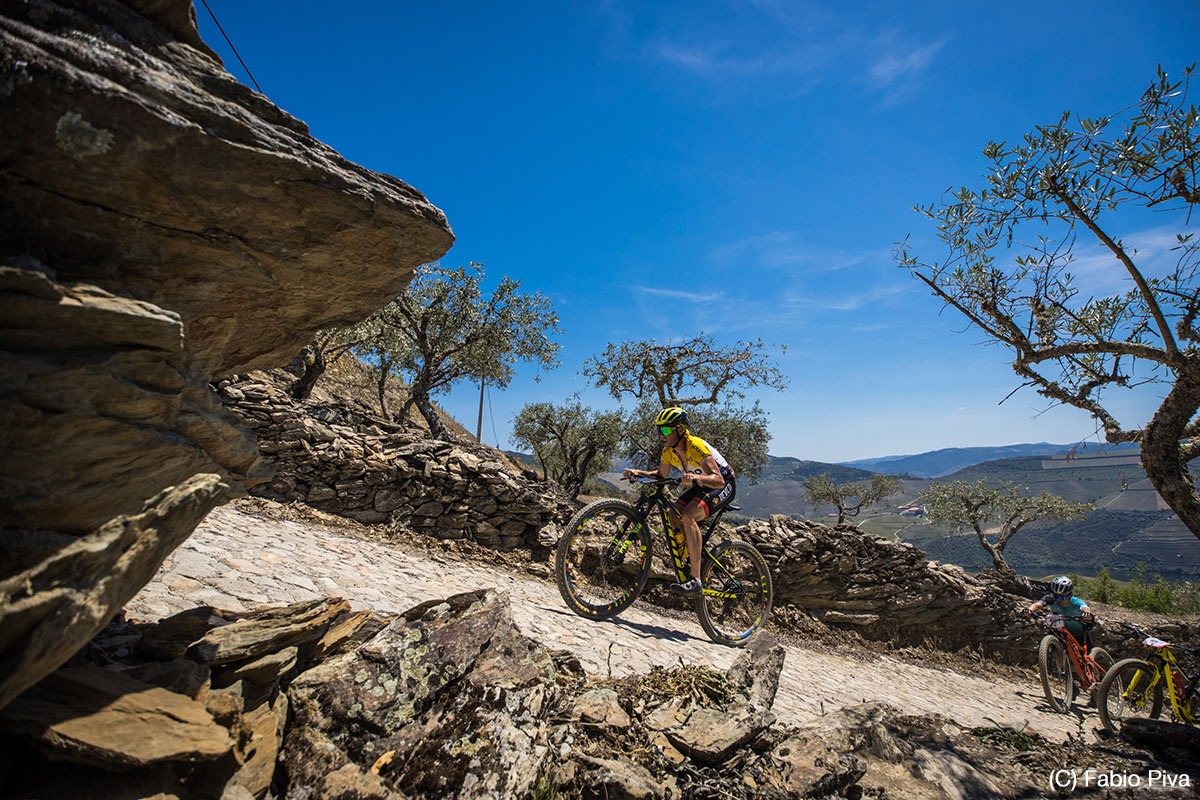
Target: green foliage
pixel 1143 592
pixel 1136 167
pixel 1148 593
pixel 571 443
pixel 544 789
pixel 1000 736
pixel 442 330
pixel 821 490
pixel 1102 588
pixel 696 371
pixel 994 513
pixel 703 377
pixel 740 434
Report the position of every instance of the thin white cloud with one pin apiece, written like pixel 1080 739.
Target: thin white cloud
pixel 895 66
pixel 705 60
pixel 689 296
pixel 782 249
pixel 860 300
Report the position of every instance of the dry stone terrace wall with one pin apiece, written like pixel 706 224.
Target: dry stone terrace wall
pixel 882 588
pixel 345 461
pixel 888 590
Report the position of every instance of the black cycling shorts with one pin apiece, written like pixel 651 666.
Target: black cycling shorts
pixel 709 498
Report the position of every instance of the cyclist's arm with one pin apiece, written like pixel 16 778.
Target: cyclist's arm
pixel 663 471
pixel 1036 607
pixel 710 475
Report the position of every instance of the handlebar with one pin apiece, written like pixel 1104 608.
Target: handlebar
pixel 653 481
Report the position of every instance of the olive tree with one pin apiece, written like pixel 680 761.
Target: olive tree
pixel 442 330
pixel 995 513
pixel 740 433
pixel 705 378
pixel 1087 180
pixel 821 490
pixel 324 350
pixel 692 372
pixel 571 443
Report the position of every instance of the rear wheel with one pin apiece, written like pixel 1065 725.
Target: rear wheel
pixel 1131 688
pixel 738 593
pixel 1058 679
pixel 603 559
pixel 1104 661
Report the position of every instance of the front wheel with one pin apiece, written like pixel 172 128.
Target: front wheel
pixel 738 593
pixel 1131 688
pixel 1054 667
pixel 603 559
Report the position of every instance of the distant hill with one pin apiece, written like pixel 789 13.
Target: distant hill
pixel 938 463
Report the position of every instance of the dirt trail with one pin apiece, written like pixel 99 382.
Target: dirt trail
pixel 236 560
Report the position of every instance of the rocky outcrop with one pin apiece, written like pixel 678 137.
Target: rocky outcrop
pixel 350 462
pixel 160 223
pixel 449 699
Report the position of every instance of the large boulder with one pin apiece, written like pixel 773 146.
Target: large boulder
pixel 448 700
pixel 160 224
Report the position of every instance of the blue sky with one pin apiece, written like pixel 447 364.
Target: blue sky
pixel 738 168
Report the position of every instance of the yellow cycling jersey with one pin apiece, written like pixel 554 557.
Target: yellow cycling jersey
pixel 697 451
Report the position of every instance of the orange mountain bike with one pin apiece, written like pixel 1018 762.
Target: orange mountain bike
pixel 1062 660
pixel 604 557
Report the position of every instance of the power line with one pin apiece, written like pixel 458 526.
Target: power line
pixel 234 49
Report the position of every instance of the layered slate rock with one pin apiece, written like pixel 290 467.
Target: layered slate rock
pixel 711 735
pixel 885 589
pixel 89 715
pixel 160 224
pixel 449 699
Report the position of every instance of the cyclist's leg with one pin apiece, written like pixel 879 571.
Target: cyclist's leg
pixel 693 513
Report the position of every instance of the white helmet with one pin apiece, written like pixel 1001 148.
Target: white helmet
pixel 1062 586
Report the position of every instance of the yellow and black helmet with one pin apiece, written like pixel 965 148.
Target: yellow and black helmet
pixel 671 418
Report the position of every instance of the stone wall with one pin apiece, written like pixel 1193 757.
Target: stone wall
pixel 341 458
pixel 889 590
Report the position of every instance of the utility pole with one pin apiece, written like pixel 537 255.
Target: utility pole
pixel 479 427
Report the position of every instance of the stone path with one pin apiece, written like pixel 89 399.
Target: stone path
pixel 237 561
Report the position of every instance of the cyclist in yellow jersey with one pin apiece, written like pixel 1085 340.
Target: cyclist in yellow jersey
pixel 707 478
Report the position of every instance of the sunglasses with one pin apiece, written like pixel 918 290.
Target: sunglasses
pixel 664 430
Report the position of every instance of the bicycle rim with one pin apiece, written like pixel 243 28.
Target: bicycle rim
pixel 738 593
pixel 1131 688
pixel 603 559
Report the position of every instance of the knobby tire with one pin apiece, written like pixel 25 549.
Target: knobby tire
pixel 1056 672
pixel 1117 702
pixel 603 559
pixel 738 593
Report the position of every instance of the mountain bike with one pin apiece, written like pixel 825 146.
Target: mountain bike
pixel 1062 660
pixel 1134 686
pixel 604 557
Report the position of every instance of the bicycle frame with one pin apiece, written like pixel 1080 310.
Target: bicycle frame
pixel 1168 669
pixel 675 540
pixel 1081 659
